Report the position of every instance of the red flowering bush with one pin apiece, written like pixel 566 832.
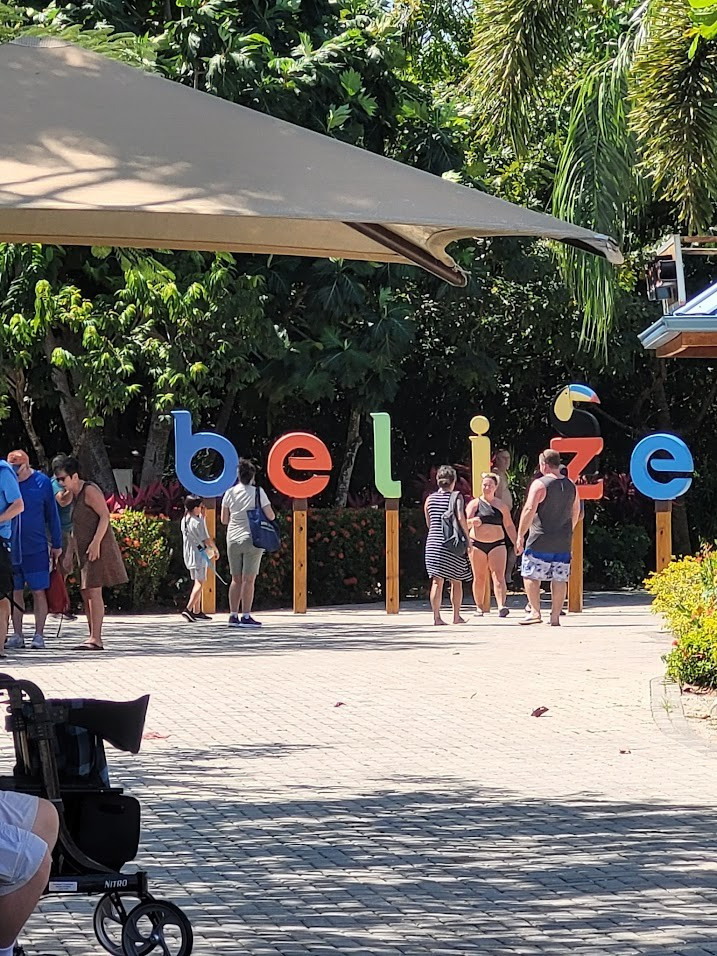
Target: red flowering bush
pixel 346 560
pixel 143 542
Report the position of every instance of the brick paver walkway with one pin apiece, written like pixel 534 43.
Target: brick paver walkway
pixel 431 814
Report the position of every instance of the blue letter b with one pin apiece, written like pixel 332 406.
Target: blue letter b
pixel 187 444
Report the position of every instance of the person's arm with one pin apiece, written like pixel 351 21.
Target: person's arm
pixel 52 519
pixel 535 496
pixel 225 513
pixel 577 509
pixel 206 542
pixel 62 497
pixel 15 508
pixel 11 492
pixel 508 523
pixel 461 515
pixel 472 517
pixel 95 500
pixel 266 505
pixel 425 513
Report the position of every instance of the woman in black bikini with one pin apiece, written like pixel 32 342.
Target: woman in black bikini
pixel 489 521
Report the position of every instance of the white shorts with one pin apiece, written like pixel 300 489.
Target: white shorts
pixel 541 566
pixel 21 850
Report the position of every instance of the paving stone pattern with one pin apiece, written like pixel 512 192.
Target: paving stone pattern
pixel 431 813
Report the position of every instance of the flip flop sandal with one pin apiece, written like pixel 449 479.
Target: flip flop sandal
pixel 86 646
pixel 532 620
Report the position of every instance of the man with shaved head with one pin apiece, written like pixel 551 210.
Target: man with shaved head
pixel 31 557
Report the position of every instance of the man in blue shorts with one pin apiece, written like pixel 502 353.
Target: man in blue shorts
pixel 31 561
pixel 551 512
pixel 28 832
pixel 11 505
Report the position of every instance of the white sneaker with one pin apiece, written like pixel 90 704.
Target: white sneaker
pixel 38 642
pixel 15 641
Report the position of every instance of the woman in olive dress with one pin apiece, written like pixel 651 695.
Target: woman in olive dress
pixel 99 556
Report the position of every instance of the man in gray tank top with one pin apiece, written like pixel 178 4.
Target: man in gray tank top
pixel 551 512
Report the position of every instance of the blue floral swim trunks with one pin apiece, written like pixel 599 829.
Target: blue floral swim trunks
pixel 543 566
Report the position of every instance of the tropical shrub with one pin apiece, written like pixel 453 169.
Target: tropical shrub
pixel 142 539
pixel 615 557
pixel 685 593
pixel 155 499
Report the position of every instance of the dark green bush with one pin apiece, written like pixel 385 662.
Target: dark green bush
pixel 615 557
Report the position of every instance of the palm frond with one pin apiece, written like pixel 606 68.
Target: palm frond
pixel 596 186
pixel 674 112
pixel 517 45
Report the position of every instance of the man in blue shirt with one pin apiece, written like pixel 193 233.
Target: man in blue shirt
pixel 11 504
pixel 30 559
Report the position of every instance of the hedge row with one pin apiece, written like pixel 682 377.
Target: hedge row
pixel 346 565
pixel 346 559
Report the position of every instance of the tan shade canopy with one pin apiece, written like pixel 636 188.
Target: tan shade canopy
pixel 96 153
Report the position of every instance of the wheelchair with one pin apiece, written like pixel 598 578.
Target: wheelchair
pixel 59 755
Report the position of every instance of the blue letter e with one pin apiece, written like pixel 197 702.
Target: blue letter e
pixel 679 459
pixel 187 444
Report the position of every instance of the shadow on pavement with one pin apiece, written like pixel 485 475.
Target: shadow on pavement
pixel 438 868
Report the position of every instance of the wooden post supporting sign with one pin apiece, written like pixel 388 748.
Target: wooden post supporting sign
pixel 663 533
pixel 393 592
pixel 209 587
pixel 575 582
pixel 300 507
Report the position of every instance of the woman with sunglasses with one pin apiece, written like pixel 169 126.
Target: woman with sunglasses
pixel 98 554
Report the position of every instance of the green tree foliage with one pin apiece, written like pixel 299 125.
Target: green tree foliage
pixel 545 104
pixel 637 126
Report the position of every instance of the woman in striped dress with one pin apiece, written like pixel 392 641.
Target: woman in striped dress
pixel 442 564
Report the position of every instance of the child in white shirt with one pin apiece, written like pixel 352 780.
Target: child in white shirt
pixel 196 544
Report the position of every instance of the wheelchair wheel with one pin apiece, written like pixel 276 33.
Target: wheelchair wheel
pixel 157 925
pixel 109 921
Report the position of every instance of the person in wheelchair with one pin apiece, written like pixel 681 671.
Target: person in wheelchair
pixel 28 833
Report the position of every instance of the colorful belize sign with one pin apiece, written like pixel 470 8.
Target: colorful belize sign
pixel 661 465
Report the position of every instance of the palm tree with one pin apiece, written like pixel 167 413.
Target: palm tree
pixel 634 90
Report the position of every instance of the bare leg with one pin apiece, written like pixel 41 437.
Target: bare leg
pixel 95 606
pixel 510 562
pixel 496 563
pixel 18 599
pixel 456 601
pixel 16 908
pixel 39 607
pixel 235 589
pixel 195 598
pixel 532 589
pixel 4 620
pixel 558 590
pixel 247 592
pixel 436 598
pixel 479 565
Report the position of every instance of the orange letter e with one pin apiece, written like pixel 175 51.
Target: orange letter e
pixel 318 459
